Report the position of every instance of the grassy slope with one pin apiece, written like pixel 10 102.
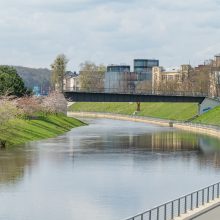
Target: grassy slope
pixel 22 131
pixel 212 117
pixel 174 111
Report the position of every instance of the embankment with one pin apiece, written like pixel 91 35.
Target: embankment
pixel 157 113
pixel 171 111
pixel 20 131
pixel 160 122
pixel 192 127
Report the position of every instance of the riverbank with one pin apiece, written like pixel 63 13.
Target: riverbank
pixel 159 122
pixel 211 117
pixel 20 131
pixel 192 127
pixel 170 111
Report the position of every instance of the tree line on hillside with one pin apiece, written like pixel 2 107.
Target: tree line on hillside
pixel 40 78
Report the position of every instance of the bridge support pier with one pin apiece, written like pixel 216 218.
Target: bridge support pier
pixel 199 109
pixel 138 106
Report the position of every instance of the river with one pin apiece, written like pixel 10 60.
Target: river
pixel 108 170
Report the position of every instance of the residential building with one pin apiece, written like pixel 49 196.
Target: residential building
pixel 71 81
pixel 216 61
pixel 160 76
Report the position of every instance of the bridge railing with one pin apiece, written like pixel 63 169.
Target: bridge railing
pixel 136 91
pixel 182 205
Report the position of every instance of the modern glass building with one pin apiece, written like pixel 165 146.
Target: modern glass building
pixel 115 78
pixel 118 68
pixel 119 78
pixel 145 65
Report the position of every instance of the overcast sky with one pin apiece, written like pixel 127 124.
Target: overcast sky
pixel 34 32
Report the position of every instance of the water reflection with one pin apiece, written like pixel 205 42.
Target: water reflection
pixel 161 141
pixel 13 165
pixel 107 170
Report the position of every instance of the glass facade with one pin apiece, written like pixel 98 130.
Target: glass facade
pixel 120 68
pixel 125 81
pixel 118 78
pixel 143 65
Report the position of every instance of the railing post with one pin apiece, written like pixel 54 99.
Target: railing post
pixel 178 207
pixel 158 213
pixel 142 216
pixel 208 195
pixel 213 192
pixel 197 199
pixel 172 210
pixel 218 190
pixel 165 212
pixel 150 215
pixel 203 197
pixel 185 204
pixel 192 201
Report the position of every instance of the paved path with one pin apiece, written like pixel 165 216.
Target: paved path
pixel 213 214
pixel 209 211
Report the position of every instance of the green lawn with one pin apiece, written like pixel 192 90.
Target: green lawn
pixel 173 111
pixel 21 131
pixel 211 117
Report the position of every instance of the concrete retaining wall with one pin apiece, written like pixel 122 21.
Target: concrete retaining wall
pixel 207 105
pixel 198 128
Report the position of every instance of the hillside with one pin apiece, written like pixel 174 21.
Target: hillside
pixel 172 111
pixel 211 117
pixel 35 77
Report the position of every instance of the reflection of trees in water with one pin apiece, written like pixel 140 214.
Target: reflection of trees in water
pixel 158 141
pixel 12 166
pixel 173 141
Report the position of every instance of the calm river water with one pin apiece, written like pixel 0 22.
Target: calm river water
pixel 108 170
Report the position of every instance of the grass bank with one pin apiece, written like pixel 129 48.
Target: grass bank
pixel 211 117
pixel 172 111
pixel 20 131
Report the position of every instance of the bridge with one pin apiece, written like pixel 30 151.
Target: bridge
pixel 205 102
pixel 98 95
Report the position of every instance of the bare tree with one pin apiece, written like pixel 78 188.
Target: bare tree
pixel 58 70
pixel 92 76
pixel 144 86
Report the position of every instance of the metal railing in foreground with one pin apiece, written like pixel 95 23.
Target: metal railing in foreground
pixel 182 205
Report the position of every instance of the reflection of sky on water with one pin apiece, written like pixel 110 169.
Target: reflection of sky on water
pixel 108 170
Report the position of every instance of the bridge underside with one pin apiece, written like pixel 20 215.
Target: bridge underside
pixel 111 97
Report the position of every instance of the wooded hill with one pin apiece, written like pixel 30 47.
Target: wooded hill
pixel 35 77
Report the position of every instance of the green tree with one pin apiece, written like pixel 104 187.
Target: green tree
pixel 92 76
pixel 10 82
pixel 58 70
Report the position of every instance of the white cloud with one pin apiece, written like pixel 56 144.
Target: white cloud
pixel 33 32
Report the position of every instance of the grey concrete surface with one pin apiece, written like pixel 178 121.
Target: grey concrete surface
pixel 213 214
